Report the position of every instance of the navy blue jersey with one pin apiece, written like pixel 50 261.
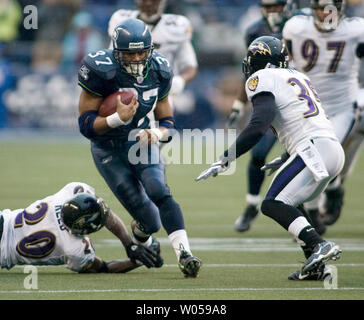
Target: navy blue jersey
pixel 101 75
pixel 259 29
pixel 262 28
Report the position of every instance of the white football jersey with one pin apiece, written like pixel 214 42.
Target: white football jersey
pixel 37 236
pixel 300 115
pixel 171 37
pixel 328 58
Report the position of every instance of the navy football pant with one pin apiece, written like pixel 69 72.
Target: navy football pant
pixel 140 188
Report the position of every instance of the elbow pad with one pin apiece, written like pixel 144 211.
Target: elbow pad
pixel 86 123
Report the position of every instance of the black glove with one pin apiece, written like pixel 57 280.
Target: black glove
pixel 237 111
pixel 233 118
pixel 138 253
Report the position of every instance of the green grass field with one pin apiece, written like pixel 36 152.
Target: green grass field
pixel 253 265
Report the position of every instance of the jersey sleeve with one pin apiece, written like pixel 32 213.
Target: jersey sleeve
pixel 165 74
pixel 261 81
pixel 186 56
pixel 96 71
pixel 360 47
pixel 287 31
pixel 80 255
pixel 89 80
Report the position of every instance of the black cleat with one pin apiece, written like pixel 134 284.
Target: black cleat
pixel 189 265
pixel 316 221
pixel 245 220
pixel 324 251
pixel 333 205
pixel 319 274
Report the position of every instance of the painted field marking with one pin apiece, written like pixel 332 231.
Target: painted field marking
pixel 239 265
pixel 175 290
pixel 246 244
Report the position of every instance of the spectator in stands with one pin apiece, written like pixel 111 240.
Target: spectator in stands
pixel 10 19
pixel 81 39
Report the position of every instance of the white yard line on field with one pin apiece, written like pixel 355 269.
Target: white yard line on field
pixel 175 290
pixel 246 244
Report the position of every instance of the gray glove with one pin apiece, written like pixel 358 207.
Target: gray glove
pixel 275 164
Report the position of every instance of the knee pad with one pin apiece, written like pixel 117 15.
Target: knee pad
pixel 156 190
pixel 268 207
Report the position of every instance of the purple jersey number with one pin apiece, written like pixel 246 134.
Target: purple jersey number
pixel 310 52
pixel 305 95
pixel 38 244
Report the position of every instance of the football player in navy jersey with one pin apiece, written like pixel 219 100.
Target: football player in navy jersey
pixel 140 187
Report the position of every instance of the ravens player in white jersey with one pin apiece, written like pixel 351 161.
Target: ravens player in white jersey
pixel 52 231
pixel 140 186
pixel 171 36
pixel 274 15
pixel 286 100
pixel 328 47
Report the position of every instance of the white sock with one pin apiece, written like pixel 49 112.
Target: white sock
pixel 253 199
pixel 298 225
pixel 179 237
pixel 144 244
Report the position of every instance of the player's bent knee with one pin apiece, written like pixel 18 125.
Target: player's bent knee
pixel 268 207
pixel 151 226
pixel 157 191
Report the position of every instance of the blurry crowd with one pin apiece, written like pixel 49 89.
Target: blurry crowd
pixel 38 66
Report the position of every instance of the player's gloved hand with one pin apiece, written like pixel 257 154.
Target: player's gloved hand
pixel 140 254
pixel 275 164
pixel 214 169
pixel 149 136
pixel 237 112
pixel 178 84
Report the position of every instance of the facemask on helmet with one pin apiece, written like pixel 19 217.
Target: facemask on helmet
pixel 265 52
pixel 328 14
pixel 150 10
pixel 274 11
pixel 84 214
pixel 133 48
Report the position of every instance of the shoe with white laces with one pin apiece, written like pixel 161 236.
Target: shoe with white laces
pixel 324 251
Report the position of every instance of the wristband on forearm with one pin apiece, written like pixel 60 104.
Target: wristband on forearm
pixel 114 121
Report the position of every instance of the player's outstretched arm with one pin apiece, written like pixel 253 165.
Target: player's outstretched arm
pixel 114 266
pixel 136 253
pixel 117 227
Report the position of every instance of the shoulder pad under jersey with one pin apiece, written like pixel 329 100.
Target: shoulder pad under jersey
pixel 178 26
pixel 118 17
pixel 102 63
pixel 161 65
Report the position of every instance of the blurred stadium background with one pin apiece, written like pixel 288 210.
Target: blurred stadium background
pixel 38 67
pixel 41 150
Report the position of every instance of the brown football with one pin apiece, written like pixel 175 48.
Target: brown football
pixel 108 106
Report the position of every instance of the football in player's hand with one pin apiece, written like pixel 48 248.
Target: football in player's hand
pixel 108 106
